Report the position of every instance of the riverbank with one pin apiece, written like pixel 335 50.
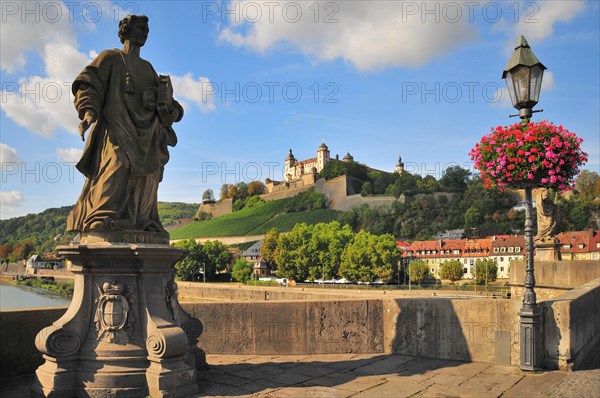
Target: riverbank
pixel 61 287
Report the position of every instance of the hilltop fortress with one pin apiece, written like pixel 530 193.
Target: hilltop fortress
pixel 300 176
pixel 305 172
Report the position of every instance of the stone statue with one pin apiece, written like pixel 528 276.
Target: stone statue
pixel 547 216
pixel 130 109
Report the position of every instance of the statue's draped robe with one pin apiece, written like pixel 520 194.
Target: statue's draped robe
pixel 547 216
pixel 126 150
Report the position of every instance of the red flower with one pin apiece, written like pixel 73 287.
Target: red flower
pixel 530 152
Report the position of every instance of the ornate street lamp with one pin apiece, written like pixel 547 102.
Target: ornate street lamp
pixel 523 76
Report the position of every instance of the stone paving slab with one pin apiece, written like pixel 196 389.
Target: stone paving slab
pixel 537 385
pixel 368 376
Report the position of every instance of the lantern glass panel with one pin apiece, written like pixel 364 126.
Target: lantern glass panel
pixel 511 88
pixel 537 73
pixel 521 79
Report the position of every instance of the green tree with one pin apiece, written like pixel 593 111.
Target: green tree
pixel 190 264
pixel 428 183
pixel 473 217
pixel 242 270
pixel 224 192
pixel 326 245
pixel 217 256
pixel 292 255
pixel 451 270
pixel 455 179
pixel 485 269
pixel 232 191
pixel 367 189
pixel 418 271
pixel 269 247
pixel 588 184
pixel 405 183
pixel 208 196
pixel 256 188
pixel 369 256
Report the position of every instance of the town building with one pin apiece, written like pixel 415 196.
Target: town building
pixel 467 251
pixel 579 245
pixel 260 268
pixel 507 248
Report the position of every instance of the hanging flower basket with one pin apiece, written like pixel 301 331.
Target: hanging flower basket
pixel 529 154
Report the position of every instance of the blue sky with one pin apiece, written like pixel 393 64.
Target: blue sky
pixel 375 78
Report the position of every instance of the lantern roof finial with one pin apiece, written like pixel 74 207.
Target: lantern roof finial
pixel 522 56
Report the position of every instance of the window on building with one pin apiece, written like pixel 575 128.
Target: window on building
pixel 433 270
pixel 517 249
pixel 464 271
pixel 595 256
pixel 502 250
pixel 501 259
pixel 511 249
pixel 581 245
pixel 501 269
pixel 495 250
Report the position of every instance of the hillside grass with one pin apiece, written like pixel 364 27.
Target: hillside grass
pixel 285 222
pixel 254 221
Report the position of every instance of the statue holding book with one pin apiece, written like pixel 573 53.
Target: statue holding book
pixel 130 110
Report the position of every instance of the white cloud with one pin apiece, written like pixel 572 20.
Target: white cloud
pixel 23 32
pixel 8 154
pixel 44 104
pixel 9 202
pixel 199 91
pixel 538 20
pixel 548 81
pixel 69 155
pixel 370 35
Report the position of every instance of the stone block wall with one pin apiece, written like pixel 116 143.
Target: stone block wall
pixel 571 326
pixel 480 330
pixel 291 328
pixel 557 274
pixel 18 329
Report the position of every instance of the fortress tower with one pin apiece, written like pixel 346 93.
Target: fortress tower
pixel 399 166
pixel 322 156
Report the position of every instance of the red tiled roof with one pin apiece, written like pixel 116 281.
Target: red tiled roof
pixel 578 241
pixel 311 160
pixel 509 241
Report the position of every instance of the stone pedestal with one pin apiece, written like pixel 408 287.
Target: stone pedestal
pixel 124 334
pixel 547 251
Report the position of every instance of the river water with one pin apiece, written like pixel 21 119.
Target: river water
pixel 12 297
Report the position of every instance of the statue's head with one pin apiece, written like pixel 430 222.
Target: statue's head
pixel 127 24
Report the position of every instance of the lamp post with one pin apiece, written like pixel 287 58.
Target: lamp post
pixel 523 75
